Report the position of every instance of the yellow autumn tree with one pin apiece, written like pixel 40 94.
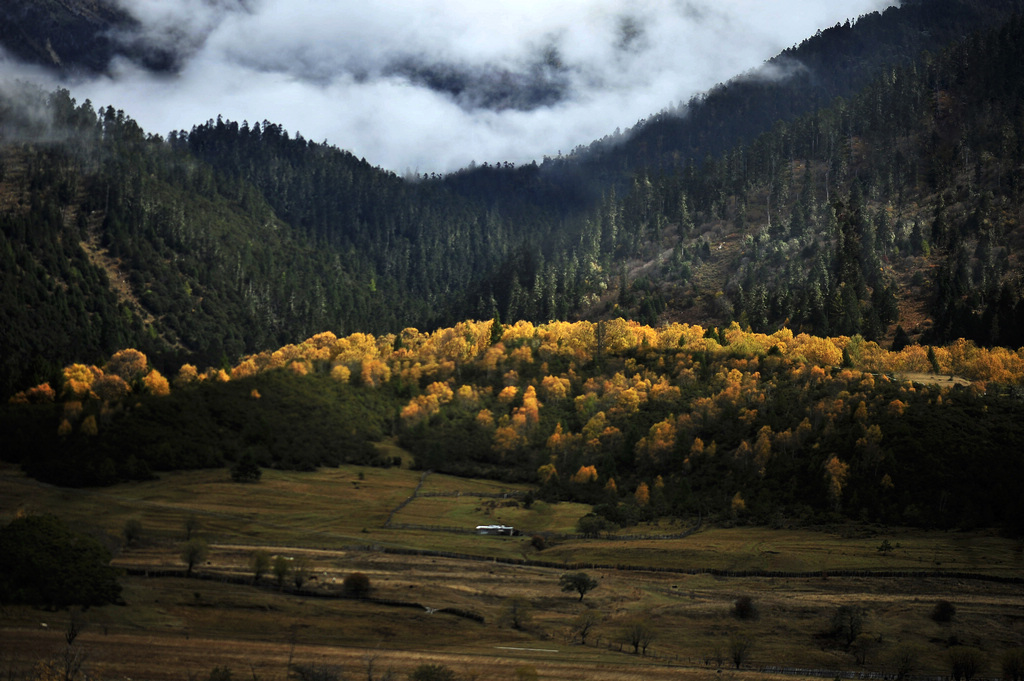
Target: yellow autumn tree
pixel 763 449
pixel 555 387
pixel 374 373
pixel 78 380
pixel 40 394
pixel 186 374
pixel 585 475
pixel 836 473
pixel 547 472
pixel 642 495
pixel 156 384
pixel 110 387
pixel 245 369
pixel 129 364
pixel 485 419
pixel 341 373
pixel 531 406
pixel 659 441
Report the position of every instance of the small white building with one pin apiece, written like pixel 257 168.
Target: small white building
pixel 495 529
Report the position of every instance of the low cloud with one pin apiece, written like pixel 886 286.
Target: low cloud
pixel 417 86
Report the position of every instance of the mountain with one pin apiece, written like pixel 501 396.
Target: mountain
pixel 767 200
pixel 76 35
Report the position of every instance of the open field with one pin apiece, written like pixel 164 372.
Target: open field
pixel 176 628
pixel 931 378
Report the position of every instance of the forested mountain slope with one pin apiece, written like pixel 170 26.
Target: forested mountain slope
pixel 836 62
pixel 232 237
pixel 902 204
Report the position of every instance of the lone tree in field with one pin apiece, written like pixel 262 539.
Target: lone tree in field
pixel 193 553
pixel 640 635
pixel 132 531
pixel 584 624
pixel 300 571
pixel 904 661
pixel 740 647
pixel 847 623
pixel 517 612
pixel 282 566
pixel 580 582
pixel 259 563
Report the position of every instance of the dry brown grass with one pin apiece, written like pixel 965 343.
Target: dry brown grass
pixel 173 628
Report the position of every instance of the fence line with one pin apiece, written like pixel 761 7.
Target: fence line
pixel 407 500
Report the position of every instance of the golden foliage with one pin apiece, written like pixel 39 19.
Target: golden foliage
pixel 485 419
pixel 110 388
pixel 341 373
pixel 245 369
pixel 554 387
pixel 584 475
pixel 78 380
pixel 42 393
pixel 836 473
pixel 642 495
pixel 156 384
pixel 129 364
pixel 896 408
pixel 374 373
pixel 186 374
pixel 547 472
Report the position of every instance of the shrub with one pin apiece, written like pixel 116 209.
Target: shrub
pixel 745 609
pixel 132 531
pixel 432 672
pixel 943 612
pixel 220 674
pixel 246 470
pixel 317 672
pixel 356 585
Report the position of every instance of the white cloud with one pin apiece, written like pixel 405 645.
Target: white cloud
pixel 539 76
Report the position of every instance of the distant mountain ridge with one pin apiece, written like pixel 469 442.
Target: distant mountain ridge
pixel 72 36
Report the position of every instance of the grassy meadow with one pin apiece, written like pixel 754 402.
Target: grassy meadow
pixel 334 519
